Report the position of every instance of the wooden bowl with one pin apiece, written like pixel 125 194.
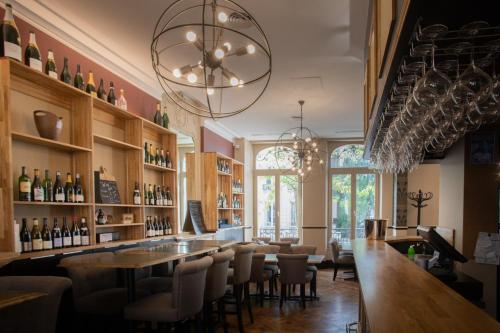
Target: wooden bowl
pixel 49 125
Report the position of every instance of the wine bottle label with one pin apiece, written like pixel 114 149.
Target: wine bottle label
pixel 12 50
pixel 53 75
pixel 67 241
pixel 47 245
pixel 137 200
pixel 79 198
pixel 57 243
pixel 165 202
pixel 77 241
pixel 85 240
pixel 26 246
pixel 38 194
pixel 37 244
pixel 60 197
pixel 152 201
pixel 36 64
pixel 25 187
pixel 93 94
pixel 170 203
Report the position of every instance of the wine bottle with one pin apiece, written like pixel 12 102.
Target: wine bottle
pixel 168 160
pixel 137 194
pixel 57 240
pixel 165 199
pixel 122 102
pixel 91 85
pixel 165 119
pixel 69 190
pixel 79 197
pixel 163 160
pixel 165 226
pixel 155 226
pixel 101 219
pixel 32 57
pixel 146 198
pixel 10 40
pixel 148 226
pixel 78 81
pixel 146 153
pixel 46 236
pixel 157 157
pixel 25 237
pixel 159 197
pixel 151 196
pixel 111 93
pixel 59 195
pixel 151 154
pixel 76 239
pixel 66 234
pixel 66 74
pixel 101 93
pixel 84 232
pixel 50 65
pixel 24 186
pixel 170 202
pixel 169 226
pixel 36 188
pixel 36 236
pixel 158 118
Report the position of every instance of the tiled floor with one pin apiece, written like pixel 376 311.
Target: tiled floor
pixel 337 306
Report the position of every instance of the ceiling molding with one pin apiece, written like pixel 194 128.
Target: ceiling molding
pixel 49 21
pixel 221 130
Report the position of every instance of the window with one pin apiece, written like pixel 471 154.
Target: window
pixel 349 156
pixel 274 158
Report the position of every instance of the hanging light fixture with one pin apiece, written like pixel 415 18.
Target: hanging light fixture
pixel 297 150
pixel 211 57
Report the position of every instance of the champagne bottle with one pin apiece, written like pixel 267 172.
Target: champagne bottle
pixel 111 93
pixel 162 158
pixel 76 239
pixel 146 153
pixel 36 188
pixel 46 236
pixel 66 74
pixel 101 93
pixel 50 65
pixel 151 154
pixel 78 81
pixel 157 157
pixel 155 227
pixel 69 190
pixel 165 120
pixel 100 217
pixel 159 197
pixel 165 226
pixel 148 226
pixel 168 160
pixel 91 85
pixel 36 236
pixel 57 240
pixel 137 194
pixel 169 226
pixel 151 196
pixel 146 198
pixel 170 202
pixel 165 198
pixel 66 234
pixel 84 232
pixel 122 102
pixel 25 237
pixel 10 40
pixel 24 186
pixel 158 118
pixel 79 197
pixel 59 195
pixel 32 57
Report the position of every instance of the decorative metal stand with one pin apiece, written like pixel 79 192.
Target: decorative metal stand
pixel 419 198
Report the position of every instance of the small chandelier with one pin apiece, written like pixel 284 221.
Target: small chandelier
pixel 211 57
pixel 304 154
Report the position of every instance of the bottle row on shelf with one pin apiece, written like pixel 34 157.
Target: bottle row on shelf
pixel 46 191
pixel 222 201
pixel 156 226
pixel 156 195
pixel 161 118
pixel 55 238
pixel 236 202
pixel 157 157
pixel 223 166
pixel 237 219
pixel 237 186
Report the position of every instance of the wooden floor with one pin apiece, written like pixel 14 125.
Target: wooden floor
pixel 337 306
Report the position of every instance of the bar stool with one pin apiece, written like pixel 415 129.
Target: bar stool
pixel 185 300
pixel 259 275
pixel 341 259
pixel 293 270
pixel 309 250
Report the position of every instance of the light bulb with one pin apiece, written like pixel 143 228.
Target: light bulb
pixel 210 91
pixel 295 146
pixel 241 84
pixel 191 36
pixel 234 81
pixel 222 17
pixel 309 157
pixel 320 161
pixel 309 168
pixel 177 72
pixel 293 168
pixel 308 139
pixel 300 170
pixel 228 46
pixel 250 48
pixel 219 54
pixel 314 144
pixel 294 135
pixel 315 150
pixel 192 78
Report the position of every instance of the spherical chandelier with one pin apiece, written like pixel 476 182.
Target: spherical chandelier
pixel 304 154
pixel 211 57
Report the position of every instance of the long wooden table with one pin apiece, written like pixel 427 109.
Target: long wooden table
pixel 14 297
pixel 398 296
pixel 7 257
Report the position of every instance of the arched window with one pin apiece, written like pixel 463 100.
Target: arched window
pixel 274 158
pixel 349 156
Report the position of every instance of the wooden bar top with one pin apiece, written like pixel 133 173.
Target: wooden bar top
pixel 14 297
pixel 399 296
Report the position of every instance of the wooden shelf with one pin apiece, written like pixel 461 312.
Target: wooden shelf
pixel 160 207
pixel 238 193
pixel 158 168
pixel 238 208
pixel 222 173
pixel 117 205
pixel 47 142
pixel 112 225
pixel 37 203
pixel 114 143
pixel 224 208
pixel 157 128
pixel 112 109
pixel 160 237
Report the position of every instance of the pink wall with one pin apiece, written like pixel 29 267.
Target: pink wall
pixel 212 142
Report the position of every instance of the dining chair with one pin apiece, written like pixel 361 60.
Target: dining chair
pixel 216 287
pixel 293 240
pixel 309 250
pixel 184 302
pixel 285 247
pixel 293 270
pixel 259 275
pixel 341 259
pixel 270 249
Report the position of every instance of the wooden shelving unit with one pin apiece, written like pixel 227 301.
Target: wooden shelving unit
pixel 95 133
pixel 213 183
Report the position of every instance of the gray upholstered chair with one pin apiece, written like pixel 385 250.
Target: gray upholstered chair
pixel 309 250
pixel 341 259
pixel 270 249
pixel 95 290
pixel 215 288
pixel 260 275
pixel 293 270
pixel 285 247
pixel 293 240
pixel 265 240
pixel 145 282
pixel 239 278
pixel 39 315
pixel 184 302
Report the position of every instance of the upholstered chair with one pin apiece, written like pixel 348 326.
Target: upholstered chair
pixel 293 270
pixel 341 259
pixel 293 240
pixel 259 275
pixel 285 247
pixel 309 250
pixel 270 249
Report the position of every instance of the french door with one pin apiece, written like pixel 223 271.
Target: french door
pixel 353 198
pixel 277 206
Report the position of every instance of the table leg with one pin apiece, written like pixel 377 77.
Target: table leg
pixel 130 277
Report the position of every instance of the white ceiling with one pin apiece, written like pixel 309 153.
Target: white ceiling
pixel 320 40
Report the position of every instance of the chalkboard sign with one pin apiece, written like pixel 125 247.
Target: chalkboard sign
pixel 194 218
pixel 106 191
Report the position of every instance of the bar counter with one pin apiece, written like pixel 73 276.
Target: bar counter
pixel 398 296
